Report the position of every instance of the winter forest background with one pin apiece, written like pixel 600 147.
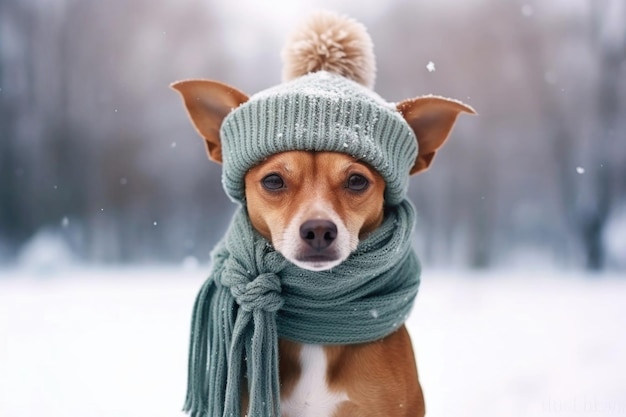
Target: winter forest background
pixel 98 162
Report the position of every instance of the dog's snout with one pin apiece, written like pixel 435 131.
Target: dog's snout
pixel 319 234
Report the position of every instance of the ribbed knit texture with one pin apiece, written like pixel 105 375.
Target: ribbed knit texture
pixel 318 112
pixel 254 295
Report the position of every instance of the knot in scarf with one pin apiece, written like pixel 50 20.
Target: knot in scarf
pixel 254 295
pixel 262 293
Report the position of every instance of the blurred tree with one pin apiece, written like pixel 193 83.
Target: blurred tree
pixel 582 123
pixel 15 29
pixel 605 154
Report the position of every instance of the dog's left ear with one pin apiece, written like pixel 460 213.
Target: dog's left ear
pixel 431 118
pixel 208 103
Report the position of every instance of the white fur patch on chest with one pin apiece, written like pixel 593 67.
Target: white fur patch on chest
pixel 311 396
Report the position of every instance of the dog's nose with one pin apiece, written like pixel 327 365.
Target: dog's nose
pixel 318 234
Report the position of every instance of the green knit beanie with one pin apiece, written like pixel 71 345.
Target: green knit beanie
pixel 320 111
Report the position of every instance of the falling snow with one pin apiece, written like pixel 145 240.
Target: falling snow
pixel 550 77
pixel 190 263
pixel 580 170
pixel 528 10
pixel 430 66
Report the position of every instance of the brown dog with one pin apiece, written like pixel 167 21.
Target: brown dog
pixel 315 207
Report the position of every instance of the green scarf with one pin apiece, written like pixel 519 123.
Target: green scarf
pixel 254 295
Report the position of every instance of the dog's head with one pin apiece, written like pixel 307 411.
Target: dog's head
pixel 316 160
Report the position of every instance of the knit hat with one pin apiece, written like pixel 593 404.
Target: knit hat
pixel 321 111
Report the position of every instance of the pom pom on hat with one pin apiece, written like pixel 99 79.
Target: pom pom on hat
pixel 333 43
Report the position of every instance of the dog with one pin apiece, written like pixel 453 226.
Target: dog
pixel 315 207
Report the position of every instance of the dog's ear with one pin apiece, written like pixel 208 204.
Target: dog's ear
pixel 431 118
pixel 208 103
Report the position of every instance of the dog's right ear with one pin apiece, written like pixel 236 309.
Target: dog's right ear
pixel 208 103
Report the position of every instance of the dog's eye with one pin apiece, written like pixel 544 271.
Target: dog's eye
pixel 357 182
pixel 273 182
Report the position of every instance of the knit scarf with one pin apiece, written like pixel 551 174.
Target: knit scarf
pixel 254 295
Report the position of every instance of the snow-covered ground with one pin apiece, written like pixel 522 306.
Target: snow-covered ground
pixel 98 342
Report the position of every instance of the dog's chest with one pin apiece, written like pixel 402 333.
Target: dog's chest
pixel 311 396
